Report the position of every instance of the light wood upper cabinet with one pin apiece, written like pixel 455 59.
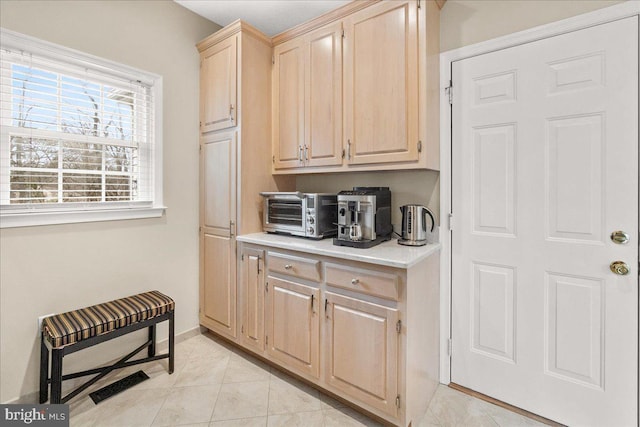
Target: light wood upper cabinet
pixel 293 325
pixel 323 100
pixel 218 82
pixel 371 90
pixel 288 100
pixel 218 181
pixel 381 83
pixel 307 100
pixel 362 351
pixel 252 290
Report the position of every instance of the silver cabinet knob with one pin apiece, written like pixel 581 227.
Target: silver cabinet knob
pixel 619 267
pixel 620 237
pixel 355 281
pixel 288 267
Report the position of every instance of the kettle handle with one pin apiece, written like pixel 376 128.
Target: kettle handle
pixel 425 212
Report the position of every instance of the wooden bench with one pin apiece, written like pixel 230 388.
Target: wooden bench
pixel 75 330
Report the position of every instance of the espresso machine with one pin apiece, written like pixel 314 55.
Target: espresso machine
pixel 364 217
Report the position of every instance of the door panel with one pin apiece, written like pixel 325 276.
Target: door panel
pixel 323 71
pixel 288 109
pixel 217 244
pixel 381 101
pixel 218 294
pixel 218 81
pixel 252 288
pixel 362 357
pixel 293 325
pixel 545 167
pixel 218 169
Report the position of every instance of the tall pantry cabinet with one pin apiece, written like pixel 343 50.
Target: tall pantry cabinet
pixel 235 161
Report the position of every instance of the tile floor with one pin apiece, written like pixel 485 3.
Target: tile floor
pixel 215 385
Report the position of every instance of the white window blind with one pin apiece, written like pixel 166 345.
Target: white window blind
pixel 78 132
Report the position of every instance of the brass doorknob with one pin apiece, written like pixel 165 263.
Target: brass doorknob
pixel 619 267
pixel 620 237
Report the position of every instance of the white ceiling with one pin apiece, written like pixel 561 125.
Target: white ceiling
pixel 269 16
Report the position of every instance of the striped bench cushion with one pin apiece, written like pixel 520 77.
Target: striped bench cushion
pixel 74 326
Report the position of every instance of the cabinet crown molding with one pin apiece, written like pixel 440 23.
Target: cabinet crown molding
pixel 328 18
pixel 322 20
pixel 228 31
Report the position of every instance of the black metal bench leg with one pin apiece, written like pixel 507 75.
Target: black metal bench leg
pixel 171 343
pixel 44 370
pixel 56 375
pixel 152 337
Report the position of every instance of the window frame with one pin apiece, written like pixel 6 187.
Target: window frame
pixel 60 213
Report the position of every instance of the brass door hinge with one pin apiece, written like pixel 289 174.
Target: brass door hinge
pixel 266 340
pixel 398 401
pixel 419 146
pixel 399 326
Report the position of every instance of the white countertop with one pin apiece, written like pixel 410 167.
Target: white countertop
pixel 389 253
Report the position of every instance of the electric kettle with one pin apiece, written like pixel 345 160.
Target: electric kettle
pixel 414 225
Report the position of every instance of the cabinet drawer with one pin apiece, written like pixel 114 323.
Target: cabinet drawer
pixel 304 268
pixel 376 283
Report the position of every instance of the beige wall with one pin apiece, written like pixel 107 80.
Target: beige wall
pixel 58 268
pixel 464 22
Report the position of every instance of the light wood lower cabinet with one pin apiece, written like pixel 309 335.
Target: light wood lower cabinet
pixel 218 293
pixel 293 325
pixel 252 290
pixel 364 332
pixel 361 347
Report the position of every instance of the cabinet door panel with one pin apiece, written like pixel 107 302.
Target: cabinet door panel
pixel 218 289
pixel 252 289
pixel 323 119
pixel 362 345
pixel 288 109
pixel 218 81
pixel 218 181
pixel 381 83
pixel 293 325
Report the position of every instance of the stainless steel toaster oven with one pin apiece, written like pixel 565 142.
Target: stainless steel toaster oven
pixel 312 215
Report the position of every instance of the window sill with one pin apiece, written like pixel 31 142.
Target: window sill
pixel 12 220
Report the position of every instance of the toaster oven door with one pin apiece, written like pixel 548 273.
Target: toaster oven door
pixel 285 214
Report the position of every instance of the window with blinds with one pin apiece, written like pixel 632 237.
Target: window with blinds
pixel 77 131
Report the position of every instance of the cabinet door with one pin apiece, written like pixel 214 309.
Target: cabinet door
pixel 218 284
pixel 217 242
pixel 381 83
pixel 218 183
pixel 252 291
pixel 218 80
pixel 323 96
pixel 293 326
pixel 362 351
pixel 288 105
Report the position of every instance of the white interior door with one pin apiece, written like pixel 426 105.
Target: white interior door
pixel 545 168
